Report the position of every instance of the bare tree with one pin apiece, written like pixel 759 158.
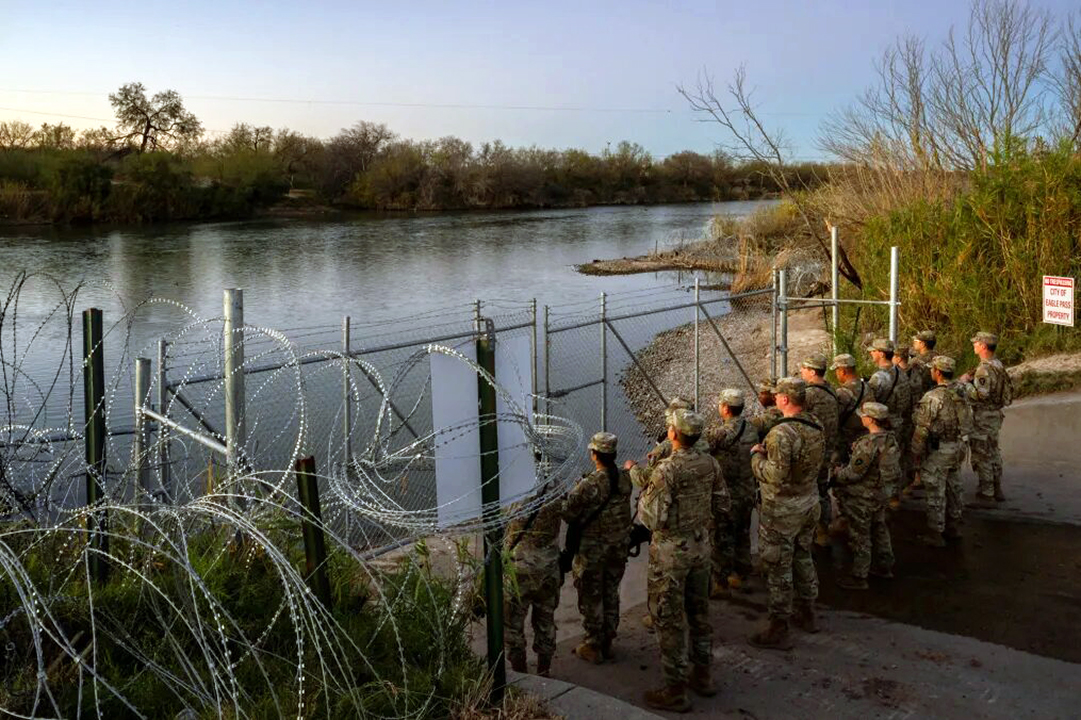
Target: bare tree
pixel 157 122
pixel 57 137
pixel 1068 80
pixel 15 134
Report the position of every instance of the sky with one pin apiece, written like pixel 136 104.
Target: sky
pixel 554 74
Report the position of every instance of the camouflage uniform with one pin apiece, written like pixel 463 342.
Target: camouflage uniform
pixel 602 558
pixel 535 582
pixel 787 476
pixel 890 387
pixel 850 397
pixel 936 444
pixel 731 445
pixel 764 421
pixel 859 489
pixel 684 493
pixel 992 393
pixel 822 404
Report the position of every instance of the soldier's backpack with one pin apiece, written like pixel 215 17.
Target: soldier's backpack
pixel 573 541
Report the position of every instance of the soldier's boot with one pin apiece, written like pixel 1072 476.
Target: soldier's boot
pixel 606 650
pixel 701 682
pixel 516 657
pixel 774 637
pixel 719 589
pixel 822 535
pixel 671 698
pixel 931 538
pixel 999 497
pixel 735 582
pixel 647 622
pixel 544 665
pixel 983 502
pixel 590 653
pixel 884 573
pixel 804 616
pixel 851 582
pixel 953 532
pixel 895 502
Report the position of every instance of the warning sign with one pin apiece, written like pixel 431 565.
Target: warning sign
pixel 1058 298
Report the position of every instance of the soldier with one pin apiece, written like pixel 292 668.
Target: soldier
pixel 663 448
pixel 532 543
pixel 904 436
pixel 854 391
pixel 763 422
pixel 993 391
pixel 685 491
pixel 731 445
pixel 787 471
pixel 923 352
pixel 822 404
pixel 935 451
pixel 862 501
pixel 890 387
pixel 598 508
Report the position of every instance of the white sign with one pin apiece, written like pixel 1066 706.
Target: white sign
pixel 457 452
pixel 1058 299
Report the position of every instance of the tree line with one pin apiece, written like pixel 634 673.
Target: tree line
pixel 157 163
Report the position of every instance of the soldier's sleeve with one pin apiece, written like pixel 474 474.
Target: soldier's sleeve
pixel 774 467
pixel 640 476
pixel 582 498
pixel 722 500
pixel 655 500
pixel 981 380
pixel 863 455
pixel 922 422
pixel 721 437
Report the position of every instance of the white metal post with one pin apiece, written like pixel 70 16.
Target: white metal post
pixel 347 395
pixel 233 351
pixel 697 349
pixel 835 318
pixel 164 471
pixel 533 352
pixel 782 301
pixel 604 362
pixel 141 441
pixel 894 282
pixel 773 329
pixel 547 364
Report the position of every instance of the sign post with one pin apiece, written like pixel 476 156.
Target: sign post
pixel 1058 300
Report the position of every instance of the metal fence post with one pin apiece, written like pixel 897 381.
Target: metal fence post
pixel 533 350
pixel 604 362
pixel 547 364
pixel 315 544
pixel 773 313
pixel 697 349
pixel 233 352
pixel 141 440
pixel 347 412
pixel 489 492
pixel 782 350
pixel 835 317
pixel 97 522
pixel 164 471
pixel 894 282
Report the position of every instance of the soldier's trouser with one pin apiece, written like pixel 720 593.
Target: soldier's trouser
pixel 868 534
pixel 784 546
pixel 942 486
pixel 986 458
pixel 826 505
pixel 904 444
pixel 732 539
pixel 678 586
pixel 541 593
pixel 597 577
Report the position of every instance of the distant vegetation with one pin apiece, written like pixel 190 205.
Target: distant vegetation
pixel 157 164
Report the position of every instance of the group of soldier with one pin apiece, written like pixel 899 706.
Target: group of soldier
pixel 861 445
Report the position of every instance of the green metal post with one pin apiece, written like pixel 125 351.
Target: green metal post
pixel 97 523
pixel 489 493
pixel 315 544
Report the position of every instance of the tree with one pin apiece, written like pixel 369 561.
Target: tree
pixel 55 137
pixel 15 134
pixel 351 152
pixel 154 123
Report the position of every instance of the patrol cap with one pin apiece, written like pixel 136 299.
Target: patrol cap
pixel 883 344
pixel 603 442
pixel 874 410
pixel 688 422
pixel 815 361
pixel 676 403
pixel 793 387
pixel 925 336
pixel 843 360
pixel 764 386
pixel 944 363
pixel 985 337
pixel 731 397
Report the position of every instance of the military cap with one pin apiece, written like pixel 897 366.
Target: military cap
pixel 815 361
pixel 793 387
pixel 843 360
pixel 904 352
pixel 944 363
pixel 985 337
pixel 603 442
pixel 688 422
pixel 884 344
pixel 875 411
pixel 925 336
pixel 676 403
pixel 731 397
pixel 764 386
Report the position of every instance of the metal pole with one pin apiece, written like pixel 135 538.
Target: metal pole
pixel 164 471
pixel 547 364
pixel 233 351
pixel 489 492
pixel 604 362
pixel 782 350
pixel 835 317
pixel 97 522
pixel 347 395
pixel 697 349
pixel 315 544
pixel 141 441
pixel 773 329
pixel 894 278
pixel 533 351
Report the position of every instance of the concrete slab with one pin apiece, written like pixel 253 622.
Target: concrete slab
pixel 572 701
